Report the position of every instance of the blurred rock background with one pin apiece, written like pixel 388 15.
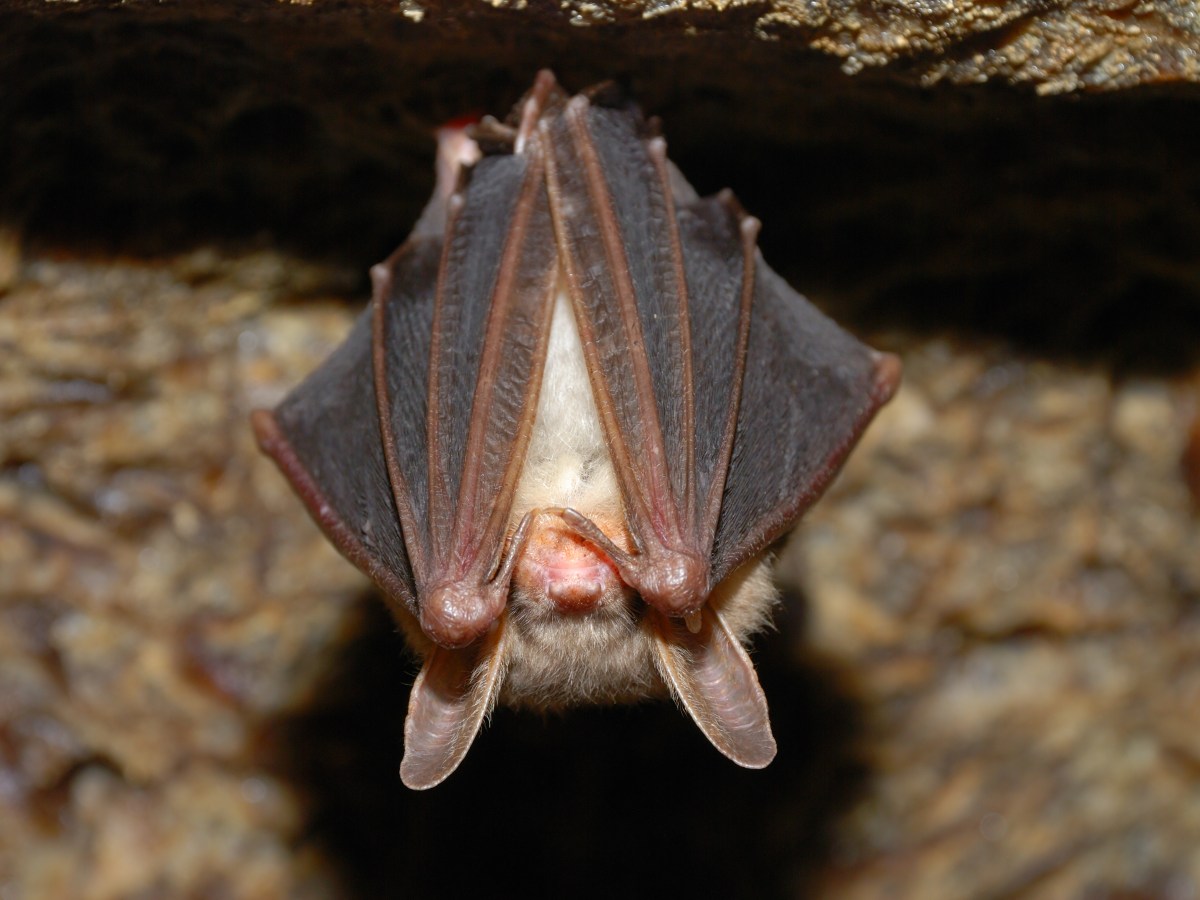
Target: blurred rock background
pixel 987 677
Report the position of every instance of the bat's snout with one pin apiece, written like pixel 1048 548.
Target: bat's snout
pixel 565 570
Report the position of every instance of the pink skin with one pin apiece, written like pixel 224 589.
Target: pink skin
pixel 454 151
pixel 567 571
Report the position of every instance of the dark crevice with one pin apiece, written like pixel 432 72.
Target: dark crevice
pixel 596 802
pixel 1064 225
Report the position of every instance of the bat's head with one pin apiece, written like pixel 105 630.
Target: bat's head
pixel 607 649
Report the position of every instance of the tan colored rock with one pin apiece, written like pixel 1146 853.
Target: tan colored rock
pixel 1037 745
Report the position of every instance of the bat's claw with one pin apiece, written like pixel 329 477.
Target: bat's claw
pixel 673 582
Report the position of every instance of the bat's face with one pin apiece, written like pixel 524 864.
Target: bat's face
pixel 577 632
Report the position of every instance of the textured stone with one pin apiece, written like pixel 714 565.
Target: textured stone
pixel 1034 650
pixel 1002 579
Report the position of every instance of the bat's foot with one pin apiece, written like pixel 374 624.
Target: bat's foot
pixel 672 581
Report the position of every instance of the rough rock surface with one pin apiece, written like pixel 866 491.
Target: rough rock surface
pixel 1054 45
pixel 147 624
pixel 988 678
pixel 993 670
pixel 1010 569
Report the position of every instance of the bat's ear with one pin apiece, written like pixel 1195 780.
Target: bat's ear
pixel 454 692
pixel 713 678
pixel 456 154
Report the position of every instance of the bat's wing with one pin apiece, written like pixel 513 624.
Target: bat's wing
pixel 722 421
pixel 455 425
pixel 809 392
pixel 407 443
pixel 324 436
pixel 664 326
pixel 623 269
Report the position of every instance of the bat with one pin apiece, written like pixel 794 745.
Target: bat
pixel 567 432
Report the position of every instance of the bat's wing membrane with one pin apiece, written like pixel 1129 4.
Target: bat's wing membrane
pixel 807 388
pixel 455 428
pixel 325 438
pixel 810 390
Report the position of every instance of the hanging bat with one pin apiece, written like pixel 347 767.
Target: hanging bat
pixel 564 437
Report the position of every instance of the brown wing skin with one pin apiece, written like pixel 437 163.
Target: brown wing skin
pixel 809 392
pixel 623 269
pixel 324 436
pixel 717 241
pixel 454 450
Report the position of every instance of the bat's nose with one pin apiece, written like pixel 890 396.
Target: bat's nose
pixel 577 593
pixel 559 567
